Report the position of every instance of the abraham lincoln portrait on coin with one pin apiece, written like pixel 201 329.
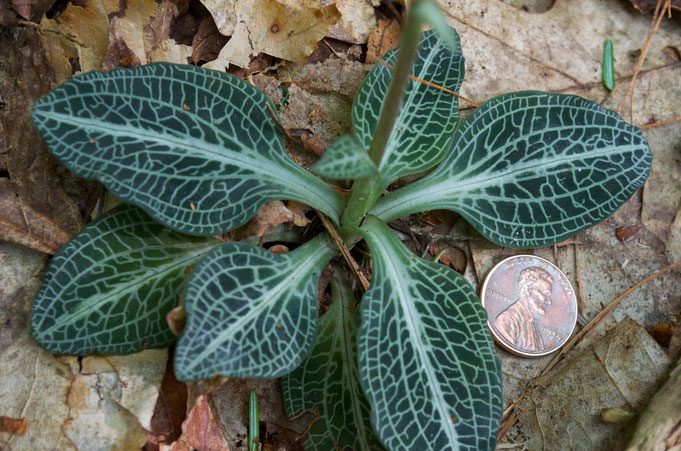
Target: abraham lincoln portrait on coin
pixel 517 323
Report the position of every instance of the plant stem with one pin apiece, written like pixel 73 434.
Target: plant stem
pixel 365 191
pixel 253 423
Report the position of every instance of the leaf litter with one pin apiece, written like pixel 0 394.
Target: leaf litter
pixel 506 49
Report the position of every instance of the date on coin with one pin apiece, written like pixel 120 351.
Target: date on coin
pixel 531 306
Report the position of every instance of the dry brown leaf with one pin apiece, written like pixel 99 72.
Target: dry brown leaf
pixel 201 430
pixel 89 24
pixel 453 256
pixel 224 13
pixel 228 407
pixel 674 241
pixel 159 28
pixel 118 54
pixel 171 52
pixel 23 8
pixel 130 27
pixel 270 27
pixel 14 425
pixel 170 411
pixel 385 37
pixel 627 233
pixel 207 41
pixel 622 370
pixel 659 427
pixel 42 205
pixel 271 214
pixel 298 210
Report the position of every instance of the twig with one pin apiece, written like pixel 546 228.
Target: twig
pixel 412 237
pixel 344 250
pixel 657 124
pixel 39 27
pixel 432 85
pixel 657 19
pixel 578 279
pixel 510 416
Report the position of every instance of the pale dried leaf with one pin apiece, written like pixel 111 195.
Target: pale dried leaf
pixel 171 52
pixel 270 27
pixel 271 214
pixel 357 20
pixel 507 49
pixel 622 370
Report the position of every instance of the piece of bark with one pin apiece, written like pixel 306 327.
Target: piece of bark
pixel 659 427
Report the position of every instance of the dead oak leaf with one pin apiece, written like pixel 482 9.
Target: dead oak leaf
pixel 271 27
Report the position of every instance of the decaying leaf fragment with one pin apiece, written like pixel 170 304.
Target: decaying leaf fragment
pixel 621 370
pixel 270 27
pixel 42 206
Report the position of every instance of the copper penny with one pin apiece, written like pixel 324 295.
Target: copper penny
pixel 531 306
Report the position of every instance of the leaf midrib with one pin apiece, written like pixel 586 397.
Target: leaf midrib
pixel 445 190
pixel 412 328
pixel 167 140
pixel 351 375
pixel 255 309
pixel 119 294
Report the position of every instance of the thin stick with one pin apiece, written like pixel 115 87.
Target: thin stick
pixel 657 124
pixel 432 85
pixel 345 251
pixel 659 14
pixel 578 278
pixel 511 417
pixel 39 27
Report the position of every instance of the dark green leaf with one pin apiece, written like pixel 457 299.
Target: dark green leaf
pixel 251 313
pixel 345 159
pixel 196 148
pixel 423 130
pixel 426 359
pixel 530 169
pixel 328 379
pixel 108 290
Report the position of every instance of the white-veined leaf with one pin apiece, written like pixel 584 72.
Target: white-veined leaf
pixel 345 159
pixel 108 290
pixel 422 134
pixel 530 169
pixel 426 358
pixel 196 148
pixel 251 313
pixel 328 380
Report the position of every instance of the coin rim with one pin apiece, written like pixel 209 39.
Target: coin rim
pixel 500 341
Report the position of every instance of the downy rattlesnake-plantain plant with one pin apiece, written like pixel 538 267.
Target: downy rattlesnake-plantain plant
pixel 198 153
